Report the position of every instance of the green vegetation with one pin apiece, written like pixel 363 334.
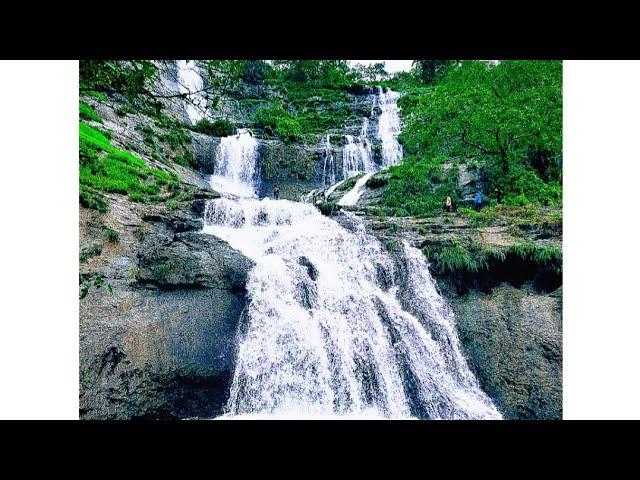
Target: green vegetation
pixel 111 235
pixel 88 280
pixel 105 168
pixel 217 128
pixel 328 208
pixel 130 78
pixel 503 119
pixel 92 250
pixel 511 215
pixel 456 258
pixel 90 198
pixel 417 187
pixel 88 113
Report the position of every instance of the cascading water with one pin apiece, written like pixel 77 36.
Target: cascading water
pixel 389 126
pixel 356 156
pixel 328 171
pixel 335 325
pixel 329 331
pixel 235 166
pixel 353 195
pixel 190 83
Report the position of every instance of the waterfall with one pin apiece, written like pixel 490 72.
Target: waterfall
pixel 190 82
pixel 389 126
pixel 336 326
pixel 328 172
pixel 235 165
pixel 356 155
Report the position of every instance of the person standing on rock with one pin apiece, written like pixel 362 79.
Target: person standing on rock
pixel 478 201
pixel 499 195
pixel 448 204
pixel 276 192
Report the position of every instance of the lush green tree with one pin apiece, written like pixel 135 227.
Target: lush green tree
pixel 129 78
pixel 431 70
pixel 507 116
pixel 319 73
pixel 502 118
pixel 371 73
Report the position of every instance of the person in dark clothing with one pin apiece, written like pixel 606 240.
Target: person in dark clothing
pixel 499 195
pixel 276 192
pixel 448 204
pixel 478 201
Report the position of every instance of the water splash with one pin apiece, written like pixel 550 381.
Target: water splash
pixel 330 330
pixel 235 166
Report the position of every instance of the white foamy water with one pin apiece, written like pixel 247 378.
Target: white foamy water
pixel 353 195
pixel 389 126
pixel 190 82
pixel 235 165
pixel 327 333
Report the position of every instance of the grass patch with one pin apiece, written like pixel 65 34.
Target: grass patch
pixel 459 259
pixel 88 113
pixel 111 235
pixel 105 168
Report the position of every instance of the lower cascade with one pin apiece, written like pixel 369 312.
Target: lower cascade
pixel 336 325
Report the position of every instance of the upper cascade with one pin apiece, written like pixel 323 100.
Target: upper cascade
pixel 389 126
pixel 235 165
pixel 190 82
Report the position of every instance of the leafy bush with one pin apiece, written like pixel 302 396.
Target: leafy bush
pixel 217 128
pixel 92 199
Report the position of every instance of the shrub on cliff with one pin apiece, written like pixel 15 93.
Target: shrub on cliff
pixel 217 128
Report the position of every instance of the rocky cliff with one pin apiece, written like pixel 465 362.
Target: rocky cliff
pixel 159 314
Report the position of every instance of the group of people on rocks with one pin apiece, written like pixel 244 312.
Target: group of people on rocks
pixel 478 201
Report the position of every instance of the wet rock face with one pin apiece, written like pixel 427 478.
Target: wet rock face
pixel 513 342
pixel 161 342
